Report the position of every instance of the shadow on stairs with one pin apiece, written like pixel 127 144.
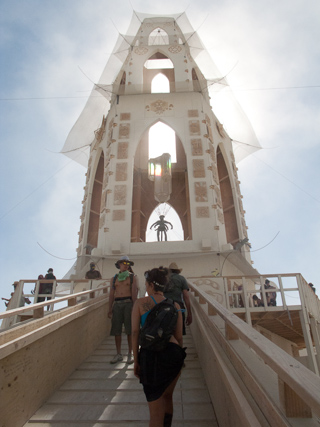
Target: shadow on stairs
pixel 99 394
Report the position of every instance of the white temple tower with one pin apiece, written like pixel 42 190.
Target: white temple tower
pixel 203 188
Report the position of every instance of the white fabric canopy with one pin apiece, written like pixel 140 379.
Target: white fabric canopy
pixel 224 104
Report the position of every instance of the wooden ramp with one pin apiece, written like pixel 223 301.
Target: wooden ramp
pixel 100 394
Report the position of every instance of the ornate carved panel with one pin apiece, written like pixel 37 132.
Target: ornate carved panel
pixel 196 147
pixel 159 106
pixel 118 215
pixel 198 168
pixel 124 130
pixel 193 113
pixel 125 116
pixel 122 150
pixel 175 49
pixel 202 212
pixel 121 171
pixel 194 127
pixel 120 194
pixel 201 192
pixel 141 50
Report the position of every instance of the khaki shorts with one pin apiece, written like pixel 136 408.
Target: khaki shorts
pixel 121 314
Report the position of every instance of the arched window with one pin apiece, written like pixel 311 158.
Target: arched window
pixel 143 196
pixel 162 139
pixel 160 68
pixel 158 37
pixel 227 199
pixel 171 218
pixel 160 84
pixel 93 229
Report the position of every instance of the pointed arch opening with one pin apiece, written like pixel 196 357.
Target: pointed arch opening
pixel 158 66
pixel 158 37
pixel 143 200
pixel 228 203
pixel 95 205
pixel 160 84
pixel 170 218
pixel 162 139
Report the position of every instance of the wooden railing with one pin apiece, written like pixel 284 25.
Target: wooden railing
pixel 38 356
pixel 37 310
pixel 230 343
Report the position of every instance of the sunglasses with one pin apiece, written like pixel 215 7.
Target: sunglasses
pixel 125 263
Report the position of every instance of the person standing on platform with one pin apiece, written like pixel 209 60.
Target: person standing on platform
pixel 123 293
pixel 178 290
pixel 93 274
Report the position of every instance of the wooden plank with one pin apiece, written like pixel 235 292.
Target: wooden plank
pixel 240 403
pixel 263 400
pixel 27 339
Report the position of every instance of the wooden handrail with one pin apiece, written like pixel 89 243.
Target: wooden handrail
pixel 305 383
pixel 36 306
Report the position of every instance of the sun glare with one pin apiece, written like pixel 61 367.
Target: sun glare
pixel 162 139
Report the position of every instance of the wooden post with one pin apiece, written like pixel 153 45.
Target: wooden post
pixel 211 310
pixel 293 405
pixel 202 300
pixel 315 330
pixel 38 312
pixel 72 302
pixel 230 333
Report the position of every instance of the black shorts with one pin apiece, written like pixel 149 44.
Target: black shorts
pixel 159 368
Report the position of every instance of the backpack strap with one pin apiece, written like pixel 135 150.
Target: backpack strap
pixel 114 281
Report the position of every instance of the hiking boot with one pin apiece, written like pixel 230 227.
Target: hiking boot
pixel 117 358
pixel 129 359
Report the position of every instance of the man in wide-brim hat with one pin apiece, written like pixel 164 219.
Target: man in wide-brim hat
pixel 178 290
pixel 123 293
pixel 125 260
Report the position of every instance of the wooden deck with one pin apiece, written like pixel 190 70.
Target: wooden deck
pixel 281 322
pixel 100 394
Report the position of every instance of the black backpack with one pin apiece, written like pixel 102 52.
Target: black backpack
pixel 159 326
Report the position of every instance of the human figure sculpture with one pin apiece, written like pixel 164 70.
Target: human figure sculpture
pixel 161 227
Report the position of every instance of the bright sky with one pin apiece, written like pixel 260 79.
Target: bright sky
pixel 269 49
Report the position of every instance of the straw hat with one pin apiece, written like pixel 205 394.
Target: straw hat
pixel 173 266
